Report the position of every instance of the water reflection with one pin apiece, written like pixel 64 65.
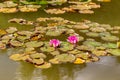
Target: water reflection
pixel 106 69
pixel 24 71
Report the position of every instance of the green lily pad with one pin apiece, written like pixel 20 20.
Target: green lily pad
pixel 75 51
pixel 84 31
pixel 104 34
pixel 10 4
pixel 83 55
pixel 97 29
pixel 38 61
pixel 25 33
pixel 34 44
pixel 53 33
pixel 54 53
pixel 47 49
pixel 92 43
pixel 110 45
pixel 115 32
pixel 16 43
pixel 11 30
pixel 99 52
pixel 115 52
pixel 81 26
pixel 65 46
pixel 110 38
pixel 22 38
pixel 44 66
pixel 2 5
pixel 28 49
pixel 85 48
pixel 54 61
pixel 15 57
pixel 38 55
pixel 92 34
pixel 65 58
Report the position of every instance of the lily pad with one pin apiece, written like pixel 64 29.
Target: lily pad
pixel 65 58
pixel 65 46
pixel 47 49
pixel 10 4
pixel 44 66
pixel 53 33
pixel 11 30
pixel 110 45
pixel 15 57
pixel 99 52
pixel 81 26
pixel 92 34
pixel 54 53
pixel 79 61
pixel 38 55
pixel 97 29
pixel 85 48
pixel 75 51
pixel 115 52
pixel 16 43
pixel 54 61
pixel 92 43
pixel 2 45
pixel 34 44
pixel 110 38
pixel 84 55
pixel 38 61
pixel 118 44
pixel 84 31
pixel 22 38
pixel 2 32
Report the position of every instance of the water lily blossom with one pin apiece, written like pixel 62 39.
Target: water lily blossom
pixel 54 42
pixel 73 39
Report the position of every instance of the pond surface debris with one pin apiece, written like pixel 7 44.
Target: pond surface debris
pixel 95 40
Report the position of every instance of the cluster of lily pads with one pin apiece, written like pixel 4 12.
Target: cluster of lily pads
pixel 81 7
pixel 23 6
pixel 43 46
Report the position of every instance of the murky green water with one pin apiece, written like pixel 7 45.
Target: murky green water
pixel 108 68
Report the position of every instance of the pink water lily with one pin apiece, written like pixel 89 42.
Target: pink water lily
pixel 54 42
pixel 73 39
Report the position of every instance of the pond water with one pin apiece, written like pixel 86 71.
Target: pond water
pixel 108 68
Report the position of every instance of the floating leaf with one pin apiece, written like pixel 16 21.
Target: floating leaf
pixel 44 66
pixel 92 34
pixel 37 55
pixel 53 33
pixel 75 51
pixel 99 52
pixel 15 57
pixel 2 45
pixel 47 49
pixel 38 61
pixel 16 43
pixel 54 61
pixel 110 45
pixel 115 52
pixel 110 38
pixel 54 53
pixel 79 61
pixel 65 58
pixel 65 46
pixel 92 43
pixel 34 44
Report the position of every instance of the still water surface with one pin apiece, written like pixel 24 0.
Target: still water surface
pixel 108 68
